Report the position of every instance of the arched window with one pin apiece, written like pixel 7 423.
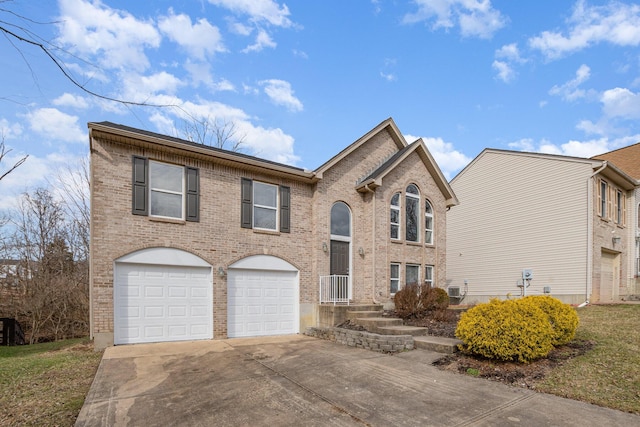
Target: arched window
pixel 340 220
pixel 428 223
pixel 412 203
pixel 395 216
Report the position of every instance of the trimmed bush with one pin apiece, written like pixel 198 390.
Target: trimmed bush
pixel 511 330
pixel 563 318
pixel 414 301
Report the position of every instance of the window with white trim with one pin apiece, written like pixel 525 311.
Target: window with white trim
pixel 603 191
pixel 394 216
pixel 265 206
pixel 394 278
pixel 412 204
pixel 166 186
pixel 620 207
pixel 428 275
pixel 412 274
pixel 428 223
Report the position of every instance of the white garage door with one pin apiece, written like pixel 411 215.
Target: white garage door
pixel 155 303
pixel 262 302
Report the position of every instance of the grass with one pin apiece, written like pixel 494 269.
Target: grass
pixel 608 375
pixel 45 384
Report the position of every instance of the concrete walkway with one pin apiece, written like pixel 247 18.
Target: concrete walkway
pixel 297 380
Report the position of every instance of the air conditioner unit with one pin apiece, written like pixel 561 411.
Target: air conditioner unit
pixel 454 291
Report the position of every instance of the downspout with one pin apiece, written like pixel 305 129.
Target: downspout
pixel 373 246
pixel 590 234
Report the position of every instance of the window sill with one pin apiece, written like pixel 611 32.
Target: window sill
pixel 414 244
pixel 167 220
pixel 270 232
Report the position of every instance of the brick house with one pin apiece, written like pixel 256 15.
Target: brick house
pixel 193 242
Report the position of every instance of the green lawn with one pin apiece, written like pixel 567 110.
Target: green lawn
pixel 45 384
pixel 608 375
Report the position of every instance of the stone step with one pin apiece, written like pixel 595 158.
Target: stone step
pixel 362 314
pixel 401 330
pixel 437 344
pixel 370 323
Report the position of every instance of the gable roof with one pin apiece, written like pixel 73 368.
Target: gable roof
pixel 626 158
pixel 605 168
pixel 374 179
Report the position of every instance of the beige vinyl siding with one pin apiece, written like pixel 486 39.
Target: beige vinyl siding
pixel 519 211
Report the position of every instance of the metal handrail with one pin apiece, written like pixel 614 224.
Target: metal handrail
pixel 334 289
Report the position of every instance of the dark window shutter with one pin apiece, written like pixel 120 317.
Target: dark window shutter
pixel 247 203
pixel 193 194
pixel 285 209
pixel 139 201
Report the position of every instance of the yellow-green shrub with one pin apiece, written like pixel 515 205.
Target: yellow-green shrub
pixel 506 330
pixel 563 317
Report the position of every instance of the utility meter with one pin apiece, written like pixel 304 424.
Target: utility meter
pixel 527 274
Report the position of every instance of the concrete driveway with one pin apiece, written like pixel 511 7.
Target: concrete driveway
pixel 302 381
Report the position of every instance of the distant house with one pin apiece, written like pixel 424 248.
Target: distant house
pixel 193 242
pixel 628 160
pixel 542 224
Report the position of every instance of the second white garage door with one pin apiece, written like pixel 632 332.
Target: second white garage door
pixel 262 302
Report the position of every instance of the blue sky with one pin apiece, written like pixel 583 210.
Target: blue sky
pixel 303 79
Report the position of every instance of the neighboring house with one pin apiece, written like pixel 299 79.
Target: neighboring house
pixel 628 159
pixel 561 225
pixel 193 242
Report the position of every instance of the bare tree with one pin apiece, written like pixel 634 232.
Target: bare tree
pixel 3 152
pixel 214 132
pixel 54 300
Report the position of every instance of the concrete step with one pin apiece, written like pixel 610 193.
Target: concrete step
pixel 437 344
pixel 365 307
pixel 370 323
pixel 362 314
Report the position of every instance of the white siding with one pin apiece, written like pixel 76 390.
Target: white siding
pixel 519 211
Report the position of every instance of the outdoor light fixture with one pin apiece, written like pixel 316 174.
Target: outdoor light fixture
pixel 615 240
pixel 220 272
pixel 324 247
pixel 361 251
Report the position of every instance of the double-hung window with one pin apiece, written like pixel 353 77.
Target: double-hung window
pixel 394 216
pixel 603 192
pixel 412 276
pixel 394 274
pixel 165 190
pixel 620 207
pixel 265 206
pixel 428 275
pixel 428 223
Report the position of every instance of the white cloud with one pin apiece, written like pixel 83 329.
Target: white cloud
pixel 476 18
pixel 56 125
pixel 449 159
pixel 509 52
pixel 200 39
pixel 574 148
pixel 505 72
pixel 388 77
pixel 115 37
pixel 263 40
pixel 70 100
pixel 280 93
pixel 9 130
pixel 258 10
pixel 621 102
pixel 615 23
pixel 524 144
pixel 570 91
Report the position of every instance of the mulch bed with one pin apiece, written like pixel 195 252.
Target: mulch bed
pixel 443 324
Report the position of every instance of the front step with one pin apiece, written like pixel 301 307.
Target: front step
pixel 437 344
pixel 372 323
pixel 362 314
pixel 401 330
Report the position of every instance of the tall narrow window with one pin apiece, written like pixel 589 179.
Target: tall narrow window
pixel 166 190
pixel 602 199
pixel 394 274
pixel 428 275
pixel 265 206
pixel 428 223
pixel 395 216
pixel 412 203
pixel 620 207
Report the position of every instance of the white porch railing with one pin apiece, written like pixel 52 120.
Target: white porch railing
pixel 334 289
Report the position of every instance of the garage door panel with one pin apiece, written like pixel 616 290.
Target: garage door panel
pixel 261 302
pixel 177 303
